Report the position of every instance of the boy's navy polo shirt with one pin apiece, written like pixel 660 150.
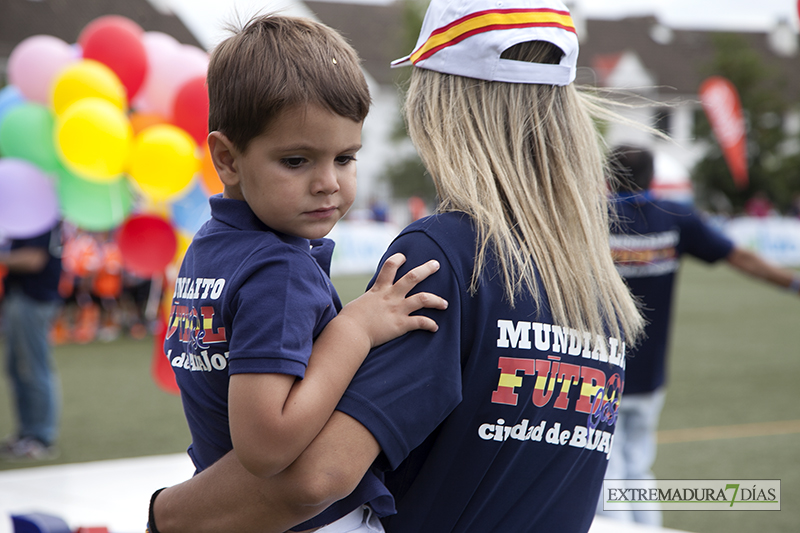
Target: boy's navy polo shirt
pixel 648 242
pixel 248 300
pixel 499 421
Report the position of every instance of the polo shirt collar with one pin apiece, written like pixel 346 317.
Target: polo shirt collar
pixel 237 214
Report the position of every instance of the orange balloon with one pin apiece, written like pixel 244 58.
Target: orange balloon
pixel 141 120
pixel 210 179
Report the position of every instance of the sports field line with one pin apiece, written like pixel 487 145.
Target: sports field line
pixel 736 431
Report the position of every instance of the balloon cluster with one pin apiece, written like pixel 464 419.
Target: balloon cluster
pixel 108 133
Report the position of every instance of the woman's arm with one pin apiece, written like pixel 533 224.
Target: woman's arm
pixel 226 497
pixel 274 417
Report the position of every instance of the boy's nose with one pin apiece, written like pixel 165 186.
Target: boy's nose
pixel 327 181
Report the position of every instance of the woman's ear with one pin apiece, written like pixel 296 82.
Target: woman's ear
pixel 223 154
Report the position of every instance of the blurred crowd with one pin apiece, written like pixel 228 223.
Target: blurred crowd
pixel 102 300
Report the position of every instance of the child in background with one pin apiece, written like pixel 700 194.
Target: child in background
pixel 287 102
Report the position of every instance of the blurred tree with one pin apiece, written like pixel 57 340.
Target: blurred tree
pixel 773 169
pixel 407 176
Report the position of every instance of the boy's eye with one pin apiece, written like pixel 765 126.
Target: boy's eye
pixel 293 162
pixel 344 159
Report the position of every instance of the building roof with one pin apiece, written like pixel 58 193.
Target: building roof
pixel 65 19
pixel 375 31
pixel 674 58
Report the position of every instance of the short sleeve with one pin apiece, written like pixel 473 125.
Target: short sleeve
pixel 281 305
pixel 701 240
pixel 408 386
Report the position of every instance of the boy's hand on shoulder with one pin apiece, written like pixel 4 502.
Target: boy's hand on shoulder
pixel 384 312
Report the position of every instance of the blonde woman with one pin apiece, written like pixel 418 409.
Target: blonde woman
pixel 504 419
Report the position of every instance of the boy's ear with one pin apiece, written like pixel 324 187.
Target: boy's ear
pixel 223 155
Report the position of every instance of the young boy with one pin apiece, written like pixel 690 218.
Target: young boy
pixel 287 101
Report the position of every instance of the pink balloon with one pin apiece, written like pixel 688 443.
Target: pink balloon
pixel 28 200
pixel 170 66
pixel 191 62
pixel 34 64
pixel 194 62
pixel 160 49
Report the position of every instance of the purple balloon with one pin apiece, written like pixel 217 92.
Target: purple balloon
pixel 28 201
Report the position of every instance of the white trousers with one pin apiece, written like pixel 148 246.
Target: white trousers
pixel 634 450
pixel 362 520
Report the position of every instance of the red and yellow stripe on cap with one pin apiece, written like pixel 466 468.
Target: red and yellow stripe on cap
pixel 489 20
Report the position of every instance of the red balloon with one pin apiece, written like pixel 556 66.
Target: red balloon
pixel 108 20
pixel 116 42
pixel 147 244
pixel 190 108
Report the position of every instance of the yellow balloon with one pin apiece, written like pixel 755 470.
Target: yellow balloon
pixel 163 161
pixel 93 138
pixel 87 79
pixel 184 240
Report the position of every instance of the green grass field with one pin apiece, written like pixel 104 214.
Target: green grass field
pixel 734 369
pixel 735 362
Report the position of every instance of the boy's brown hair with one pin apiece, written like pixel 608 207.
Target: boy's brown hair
pixel 277 62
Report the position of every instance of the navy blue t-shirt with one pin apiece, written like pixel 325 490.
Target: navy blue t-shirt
pixel 249 300
pixel 41 286
pixel 647 244
pixel 499 421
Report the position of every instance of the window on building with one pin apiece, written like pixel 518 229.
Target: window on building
pixel 662 121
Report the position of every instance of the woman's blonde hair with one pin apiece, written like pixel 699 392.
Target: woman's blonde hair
pixel 526 162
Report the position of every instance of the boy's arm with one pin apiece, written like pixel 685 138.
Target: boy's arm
pixel 27 260
pixel 274 417
pixel 226 497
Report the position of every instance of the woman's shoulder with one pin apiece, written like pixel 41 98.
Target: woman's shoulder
pixel 443 224
pixel 449 237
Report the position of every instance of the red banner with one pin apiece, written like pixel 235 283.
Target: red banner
pixel 724 110
pixel 160 368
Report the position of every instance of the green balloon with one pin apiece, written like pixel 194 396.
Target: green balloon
pixel 94 206
pixel 26 132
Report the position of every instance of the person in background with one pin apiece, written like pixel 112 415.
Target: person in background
pixel 759 206
pixel 30 306
pixel 794 209
pixel 647 241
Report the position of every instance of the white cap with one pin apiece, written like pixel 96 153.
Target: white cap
pixel 466 38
